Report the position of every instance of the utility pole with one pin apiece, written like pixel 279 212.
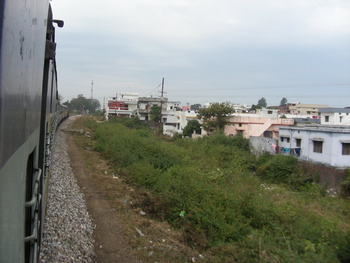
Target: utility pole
pixel 161 107
pixel 92 88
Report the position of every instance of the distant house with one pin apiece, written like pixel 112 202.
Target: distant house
pixel 305 109
pixel 281 109
pixel 264 124
pixel 123 104
pixel 144 105
pixel 335 116
pixel 327 145
pixel 178 121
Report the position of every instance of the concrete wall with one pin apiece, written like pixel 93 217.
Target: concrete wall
pixel 330 176
pixel 260 145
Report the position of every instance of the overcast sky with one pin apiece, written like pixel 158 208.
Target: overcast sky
pixel 207 51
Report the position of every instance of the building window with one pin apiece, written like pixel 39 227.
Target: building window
pixel 346 149
pixel 285 139
pixel 240 125
pixel 340 118
pixel 298 142
pixel 269 112
pixel 318 146
pixel 326 118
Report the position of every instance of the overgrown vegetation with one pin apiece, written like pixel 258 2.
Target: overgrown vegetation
pixel 232 206
pixel 345 186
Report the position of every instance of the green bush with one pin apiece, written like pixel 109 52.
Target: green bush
pixel 278 169
pixel 345 185
pixel 133 123
pixel 206 188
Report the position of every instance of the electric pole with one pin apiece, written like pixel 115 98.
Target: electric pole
pixel 92 88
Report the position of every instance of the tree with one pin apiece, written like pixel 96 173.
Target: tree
pixel 262 103
pixel 196 106
pixel 192 125
pixel 93 105
pixel 67 103
pixel 83 105
pixel 283 102
pixel 155 113
pixel 215 116
pixel 254 108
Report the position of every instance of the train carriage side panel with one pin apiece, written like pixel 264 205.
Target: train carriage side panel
pixel 22 53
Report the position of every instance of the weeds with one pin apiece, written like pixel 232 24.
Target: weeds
pixel 206 187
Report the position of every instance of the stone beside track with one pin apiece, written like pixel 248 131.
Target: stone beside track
pixel 68 227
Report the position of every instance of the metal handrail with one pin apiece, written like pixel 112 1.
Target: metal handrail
pixel 33 200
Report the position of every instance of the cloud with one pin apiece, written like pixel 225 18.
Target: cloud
pixel 201 44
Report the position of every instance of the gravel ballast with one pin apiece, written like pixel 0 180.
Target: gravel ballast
pixel 68 227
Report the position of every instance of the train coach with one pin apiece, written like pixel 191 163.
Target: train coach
pixel 29 114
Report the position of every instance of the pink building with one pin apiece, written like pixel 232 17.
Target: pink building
pixel 256 126
pixel 264 124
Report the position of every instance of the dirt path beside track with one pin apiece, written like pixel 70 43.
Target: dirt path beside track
pixel 110 244
pixel 124 232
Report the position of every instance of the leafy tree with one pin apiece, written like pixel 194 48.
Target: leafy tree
pixel 83 105
pixel 262 103
pixel 215 116
pixel 254 107
pixel 155 113
pixel 93 105
pixel 196 106
pixel 192 125
pixel 67 103
pixel 283 102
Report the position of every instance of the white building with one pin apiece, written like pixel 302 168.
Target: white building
pixel 335 116
pixel 123 104
pixel 328 145
pixel 176 123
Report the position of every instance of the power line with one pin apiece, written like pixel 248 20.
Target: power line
pixel 316 85
pixel 154 89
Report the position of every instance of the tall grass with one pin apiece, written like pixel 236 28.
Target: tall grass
pixel 208 188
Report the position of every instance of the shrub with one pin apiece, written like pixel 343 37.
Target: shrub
pixel 278 169
pixel 345 185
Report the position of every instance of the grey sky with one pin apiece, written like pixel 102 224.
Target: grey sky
pixel 233 50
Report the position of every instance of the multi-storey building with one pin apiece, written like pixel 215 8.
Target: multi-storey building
pixel 123 104
pixel 305 109
pixel 178 121
pixel 264 124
